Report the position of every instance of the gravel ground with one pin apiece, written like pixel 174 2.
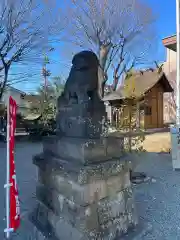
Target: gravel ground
pixel 158 200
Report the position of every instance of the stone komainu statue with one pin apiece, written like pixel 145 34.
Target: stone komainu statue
pixel 80 109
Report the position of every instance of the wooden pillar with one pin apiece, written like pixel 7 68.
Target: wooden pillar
pixel 138 115
pixel 109 111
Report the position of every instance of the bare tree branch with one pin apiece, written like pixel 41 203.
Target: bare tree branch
pixel 26 26
pixel 112 28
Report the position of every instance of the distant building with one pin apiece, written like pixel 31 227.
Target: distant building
pixel 23 100
pixel 148 89
pixel 18 95
pixel 170 70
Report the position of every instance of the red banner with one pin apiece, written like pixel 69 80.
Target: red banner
pixel 14 211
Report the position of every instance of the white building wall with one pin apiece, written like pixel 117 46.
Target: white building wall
pixel 17 96
pixel 169 98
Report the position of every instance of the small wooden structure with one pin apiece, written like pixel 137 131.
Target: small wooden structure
pixel 144 102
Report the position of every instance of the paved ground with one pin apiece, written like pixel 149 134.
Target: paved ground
pixel 158 200
pixel 26 175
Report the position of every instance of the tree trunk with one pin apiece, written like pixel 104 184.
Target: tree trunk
pixel 6 70
pixel 103 55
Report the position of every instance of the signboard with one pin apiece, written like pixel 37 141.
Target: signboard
pixel 12 198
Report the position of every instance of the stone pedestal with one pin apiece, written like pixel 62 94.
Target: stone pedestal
pixel 81 202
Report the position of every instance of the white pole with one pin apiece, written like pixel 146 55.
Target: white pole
pixel 175 133
pixel 7 185
pixel 178 62
pixel 7 167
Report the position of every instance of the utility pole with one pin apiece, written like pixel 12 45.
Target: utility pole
pixel 46 73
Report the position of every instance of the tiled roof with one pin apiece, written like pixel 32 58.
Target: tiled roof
pixel 142 83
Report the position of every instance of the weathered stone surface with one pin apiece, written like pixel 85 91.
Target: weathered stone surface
pixel 80 109
pixel 80 217
pixel 94 199
pixel 109 212
pixel 116 228
pixel 85 194
pixel 39 217
pixel 107 208
pixel 84 150
pixel 118 183
pixel 79 173
pixel 60 228
pixel 63 228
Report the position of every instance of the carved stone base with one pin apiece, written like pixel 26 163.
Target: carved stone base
pixel 84 150
pixel 83 202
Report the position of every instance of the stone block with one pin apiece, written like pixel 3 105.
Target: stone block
pixel 82 194
pixel 84 150
pixel 79 216
pixel 59 228
pixel 95 216
pixel 116 228
pixel 111 208
pixel 81 174
pixel 62 228
pixel 118 183
pixel 65 231
pixel 76 121
pixel 39 217
pixel 87 193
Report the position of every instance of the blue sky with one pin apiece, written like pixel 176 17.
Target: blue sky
pixel 166 21
pixel 165 11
